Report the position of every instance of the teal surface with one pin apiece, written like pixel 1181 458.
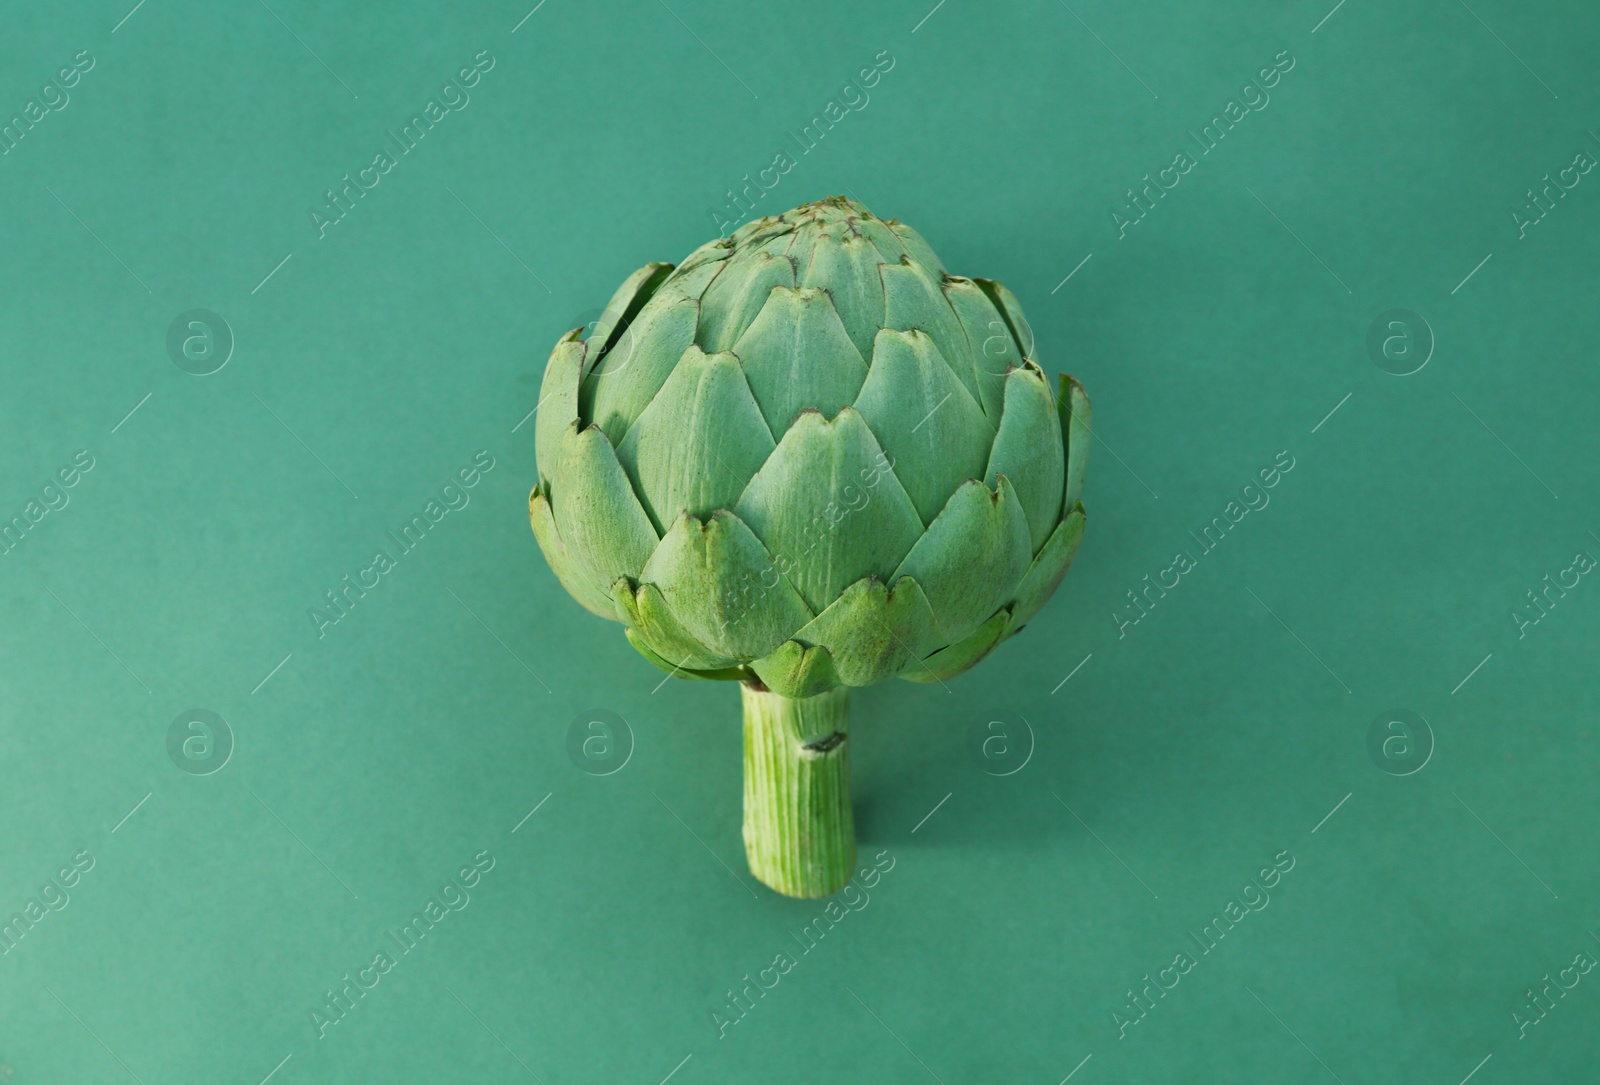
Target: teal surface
pixel 249 836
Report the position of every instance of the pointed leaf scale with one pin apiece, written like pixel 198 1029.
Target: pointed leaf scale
pixel 847 268
pixel 736 295
pixel 647 614
pixel 913 300
pixel 617 392
pixel 1028 451
pixel 795 670
pixel 828 508
pixel 990 344
pixel 924 418
pixel 558 401
pixel 560 560
pixel 605 528
pixel 873 633
pixel 797 354
pixel 720 583
pixel 971 558
pixel 698 442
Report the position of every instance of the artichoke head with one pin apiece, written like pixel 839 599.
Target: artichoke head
pixel 808 455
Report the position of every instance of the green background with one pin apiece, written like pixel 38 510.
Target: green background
pixel 1186 752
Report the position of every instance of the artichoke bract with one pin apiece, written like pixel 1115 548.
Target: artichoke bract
pixel 808 458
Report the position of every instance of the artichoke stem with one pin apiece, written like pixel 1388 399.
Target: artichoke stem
pixel 799 835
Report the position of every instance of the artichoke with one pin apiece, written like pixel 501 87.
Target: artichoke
pixel 808 458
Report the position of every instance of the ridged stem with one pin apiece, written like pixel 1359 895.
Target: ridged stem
pixel 799 835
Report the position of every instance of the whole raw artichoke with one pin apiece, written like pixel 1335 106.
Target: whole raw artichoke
pixel 808 457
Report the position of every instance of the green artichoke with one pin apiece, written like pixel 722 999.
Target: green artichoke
pixel 808 458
